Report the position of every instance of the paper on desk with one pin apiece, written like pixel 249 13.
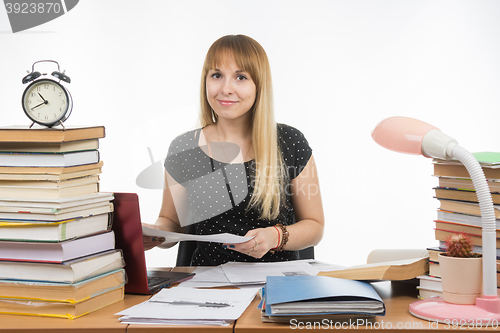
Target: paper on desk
pixel 157 309
pixel 324 266
pixel 256 272
pixel 207 277
pixel 213 277
pixel 171 237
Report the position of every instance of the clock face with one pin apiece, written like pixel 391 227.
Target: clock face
pixel 46 102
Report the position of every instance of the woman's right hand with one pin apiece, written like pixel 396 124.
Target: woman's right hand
pixel 151 242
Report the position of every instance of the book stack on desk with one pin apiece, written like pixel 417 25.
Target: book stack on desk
pixel 459 212
pixel 307 298
pixel 57 250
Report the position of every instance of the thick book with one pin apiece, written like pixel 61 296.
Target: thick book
pixel 465 207
pixel 431 286
pixel 72 292
pixel 424 293
pixel 50 171
pixel 459 171
pixel 66 272
pixel 487 159
pixel 476 239
pixel 434 252
pixel 394 270
pixel 315 295
pixel 468 219
pixel 459 227
pixel 54 231
pixel 49 147
pixel 462 195
pixel 434 269
pixel 429 282
pixel 53 134
pixel 49 159
pixel 52 177
pixel 57 252
pixel 62 309
pixel 32 193
pixel 82 211
pixel 49 183
pixel 47 207
pixel 466 184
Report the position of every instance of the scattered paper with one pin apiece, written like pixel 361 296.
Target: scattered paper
pixel 160 309
pixel 325 267
pixel 171 237
pixel 256 272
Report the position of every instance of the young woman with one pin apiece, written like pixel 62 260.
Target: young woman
pixel 241 173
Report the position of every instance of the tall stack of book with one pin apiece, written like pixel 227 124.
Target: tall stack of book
pixel 459 212
pixel 57 249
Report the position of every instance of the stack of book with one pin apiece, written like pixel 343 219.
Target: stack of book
pixel 57 249
pixel 315 298
pixel 459 212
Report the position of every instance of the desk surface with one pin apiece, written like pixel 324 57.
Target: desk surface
pixel 102 320
pixel 397 296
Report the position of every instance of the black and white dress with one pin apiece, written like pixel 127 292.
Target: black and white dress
pixel 218 193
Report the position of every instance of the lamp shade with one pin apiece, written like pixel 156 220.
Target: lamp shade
pixel 413 136
pixel 401 134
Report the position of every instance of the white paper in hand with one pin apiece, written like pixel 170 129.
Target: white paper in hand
pixel 171 237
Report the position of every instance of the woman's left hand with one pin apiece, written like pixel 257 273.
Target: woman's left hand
pixel 263 240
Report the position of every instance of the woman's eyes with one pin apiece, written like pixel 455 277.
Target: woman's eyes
pixel 239 77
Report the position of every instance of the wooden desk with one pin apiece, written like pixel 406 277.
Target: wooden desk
pixel 103 320
pixel 396 295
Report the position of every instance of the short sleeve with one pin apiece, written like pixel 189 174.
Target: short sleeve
pixel 184 157
pixel 294 148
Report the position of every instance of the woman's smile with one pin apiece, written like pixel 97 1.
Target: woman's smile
pixel 227 102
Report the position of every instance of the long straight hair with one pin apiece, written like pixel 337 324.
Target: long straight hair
pixel 270 171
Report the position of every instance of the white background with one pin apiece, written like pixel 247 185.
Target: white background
pixel 339 67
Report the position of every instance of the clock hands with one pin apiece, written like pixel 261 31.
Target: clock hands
pixel 42 98
pixel 43 103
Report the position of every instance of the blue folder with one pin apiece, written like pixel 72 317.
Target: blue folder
pixel 303 288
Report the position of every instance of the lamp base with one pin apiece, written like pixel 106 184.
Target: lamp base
pixel 485 311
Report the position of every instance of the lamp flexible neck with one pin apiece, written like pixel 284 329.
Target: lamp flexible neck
pixel 488 218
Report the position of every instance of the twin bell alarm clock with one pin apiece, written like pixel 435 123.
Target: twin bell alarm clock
pixel 46 101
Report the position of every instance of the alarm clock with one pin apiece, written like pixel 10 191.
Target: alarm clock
pixel 47 101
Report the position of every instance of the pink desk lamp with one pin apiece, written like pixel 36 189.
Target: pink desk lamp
pixel 412 136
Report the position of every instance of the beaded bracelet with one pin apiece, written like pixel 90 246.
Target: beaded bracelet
pixel 279 239
pixel 284 239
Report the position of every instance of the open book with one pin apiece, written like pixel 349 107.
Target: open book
pixel 390 264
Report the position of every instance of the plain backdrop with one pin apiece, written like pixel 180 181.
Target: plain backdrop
pixel 339 67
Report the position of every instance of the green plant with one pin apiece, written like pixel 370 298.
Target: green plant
pixel 460 246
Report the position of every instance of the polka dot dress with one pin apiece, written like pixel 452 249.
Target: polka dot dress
pixel 218 193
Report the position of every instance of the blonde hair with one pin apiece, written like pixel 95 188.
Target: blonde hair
pixel 270 171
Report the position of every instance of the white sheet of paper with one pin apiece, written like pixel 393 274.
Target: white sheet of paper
pixel 157 307
pixel 171 237
pixel 324 266
pixel 256 272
